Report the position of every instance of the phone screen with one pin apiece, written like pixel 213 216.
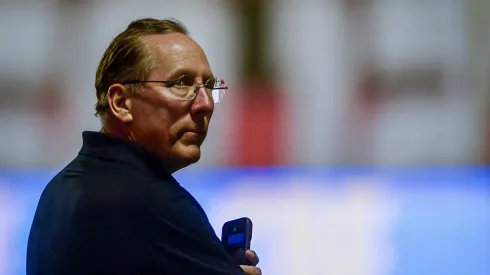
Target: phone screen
pixel 236 237
pixel 236 245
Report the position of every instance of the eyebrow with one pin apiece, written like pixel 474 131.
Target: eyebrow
pixel 188 72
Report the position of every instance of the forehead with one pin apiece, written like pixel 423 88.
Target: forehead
pixel 177 54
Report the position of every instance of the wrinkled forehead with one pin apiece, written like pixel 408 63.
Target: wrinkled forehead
pixel 175 55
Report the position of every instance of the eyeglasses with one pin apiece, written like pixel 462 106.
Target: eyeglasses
pixel 185 88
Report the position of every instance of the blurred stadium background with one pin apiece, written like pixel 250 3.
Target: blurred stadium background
pixel 356 134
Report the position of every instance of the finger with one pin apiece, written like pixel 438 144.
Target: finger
pixel 252 257
pixel 251 270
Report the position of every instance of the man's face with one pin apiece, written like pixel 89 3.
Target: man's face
pixel 170 128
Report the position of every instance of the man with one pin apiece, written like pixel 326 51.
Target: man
pixel 116 209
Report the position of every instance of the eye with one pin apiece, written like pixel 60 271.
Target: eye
pixel 183 81
pixel 210 83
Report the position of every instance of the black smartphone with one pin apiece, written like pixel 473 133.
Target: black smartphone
pixel 236 236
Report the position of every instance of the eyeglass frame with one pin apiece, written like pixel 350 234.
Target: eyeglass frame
pixel 196 89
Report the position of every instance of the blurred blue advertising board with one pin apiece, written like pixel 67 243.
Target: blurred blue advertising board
pixel 358 221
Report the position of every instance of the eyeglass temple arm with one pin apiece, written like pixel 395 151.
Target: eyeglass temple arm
pixel 144 81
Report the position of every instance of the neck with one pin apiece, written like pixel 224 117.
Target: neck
pixel 114 128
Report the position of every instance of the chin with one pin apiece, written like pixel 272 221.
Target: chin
pixel 190 153
pixel 183 156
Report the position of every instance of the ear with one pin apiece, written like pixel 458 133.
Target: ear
pixel 117 99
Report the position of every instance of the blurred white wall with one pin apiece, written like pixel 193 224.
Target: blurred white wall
pixel 323 46
pixel 480 68
pixel 319 47
pixel 68 41
pixel 417 128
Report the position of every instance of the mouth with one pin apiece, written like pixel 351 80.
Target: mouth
pixel 196 136
pixel 199 134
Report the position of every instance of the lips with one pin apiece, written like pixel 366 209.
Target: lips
pixel 195 133
pixel 192 134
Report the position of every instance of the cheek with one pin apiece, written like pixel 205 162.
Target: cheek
pixel 174 119
pixel 165 125
pixel 159 122
pixel 150 122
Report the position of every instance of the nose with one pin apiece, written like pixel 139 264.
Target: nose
pixel 203 103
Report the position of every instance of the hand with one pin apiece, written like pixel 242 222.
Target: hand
pixel 254 259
